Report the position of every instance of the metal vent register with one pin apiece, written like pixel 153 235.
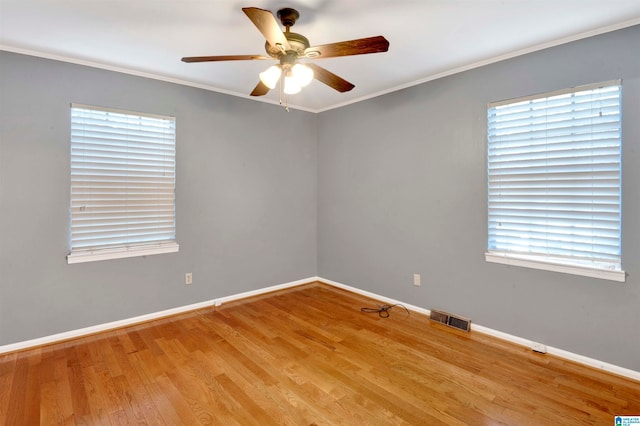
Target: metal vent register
pixel 451 320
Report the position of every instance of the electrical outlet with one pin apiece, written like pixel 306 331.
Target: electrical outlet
pixel 416 280
pixel 188 278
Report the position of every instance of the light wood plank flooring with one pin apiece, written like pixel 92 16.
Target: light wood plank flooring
pixel 302 356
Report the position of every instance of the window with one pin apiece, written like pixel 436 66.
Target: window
pixel 122 184
pixel 554 181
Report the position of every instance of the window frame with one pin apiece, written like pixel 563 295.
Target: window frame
pixel 79 180
pixel 608 270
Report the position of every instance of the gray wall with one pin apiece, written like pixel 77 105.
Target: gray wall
pixel 402 190
pixel 246 200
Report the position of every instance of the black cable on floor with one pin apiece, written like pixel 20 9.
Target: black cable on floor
pixel 384 310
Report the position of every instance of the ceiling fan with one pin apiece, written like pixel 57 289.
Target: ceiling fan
pixel 288 48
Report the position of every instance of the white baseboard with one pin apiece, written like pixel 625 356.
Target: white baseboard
pixel 54 338
pixel 73 334
pixel 385 299
pixel 594 363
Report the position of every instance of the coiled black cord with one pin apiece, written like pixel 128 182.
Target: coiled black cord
pixel 383 310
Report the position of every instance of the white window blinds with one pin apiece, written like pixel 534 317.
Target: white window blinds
pixel 122 184
pixel 554 178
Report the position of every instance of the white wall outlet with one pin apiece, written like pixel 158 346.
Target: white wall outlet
pixel 539 347
pixel 188 278
pixel 416 280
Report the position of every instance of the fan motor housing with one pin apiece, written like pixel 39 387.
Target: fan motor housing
pixel 297 42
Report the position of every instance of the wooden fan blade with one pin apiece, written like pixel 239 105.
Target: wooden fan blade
pixel 260 90
pixel 360 46
pixel 330 79
pixel 268 26
pixel 223 58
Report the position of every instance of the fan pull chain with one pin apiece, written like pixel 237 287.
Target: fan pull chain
pixel 286 97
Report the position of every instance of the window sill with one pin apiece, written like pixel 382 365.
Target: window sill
pixel 550 265
pixel 121 252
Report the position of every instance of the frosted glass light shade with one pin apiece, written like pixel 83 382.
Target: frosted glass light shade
pixel 302 74
pixel 270 76
pixel 291 86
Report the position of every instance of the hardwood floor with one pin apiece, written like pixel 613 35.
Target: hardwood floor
pixel 303 356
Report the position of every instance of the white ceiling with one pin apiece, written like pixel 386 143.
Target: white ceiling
pixel 428 38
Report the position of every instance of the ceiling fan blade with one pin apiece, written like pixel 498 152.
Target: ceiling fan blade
pixel 223 58
pixel 260 89
pixel 360 46
pixel 268 26
pixel 330 79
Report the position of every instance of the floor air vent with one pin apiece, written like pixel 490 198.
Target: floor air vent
pixel 450 320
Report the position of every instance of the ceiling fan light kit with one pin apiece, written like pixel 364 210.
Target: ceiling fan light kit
pixel 289 48
pixel 294 78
